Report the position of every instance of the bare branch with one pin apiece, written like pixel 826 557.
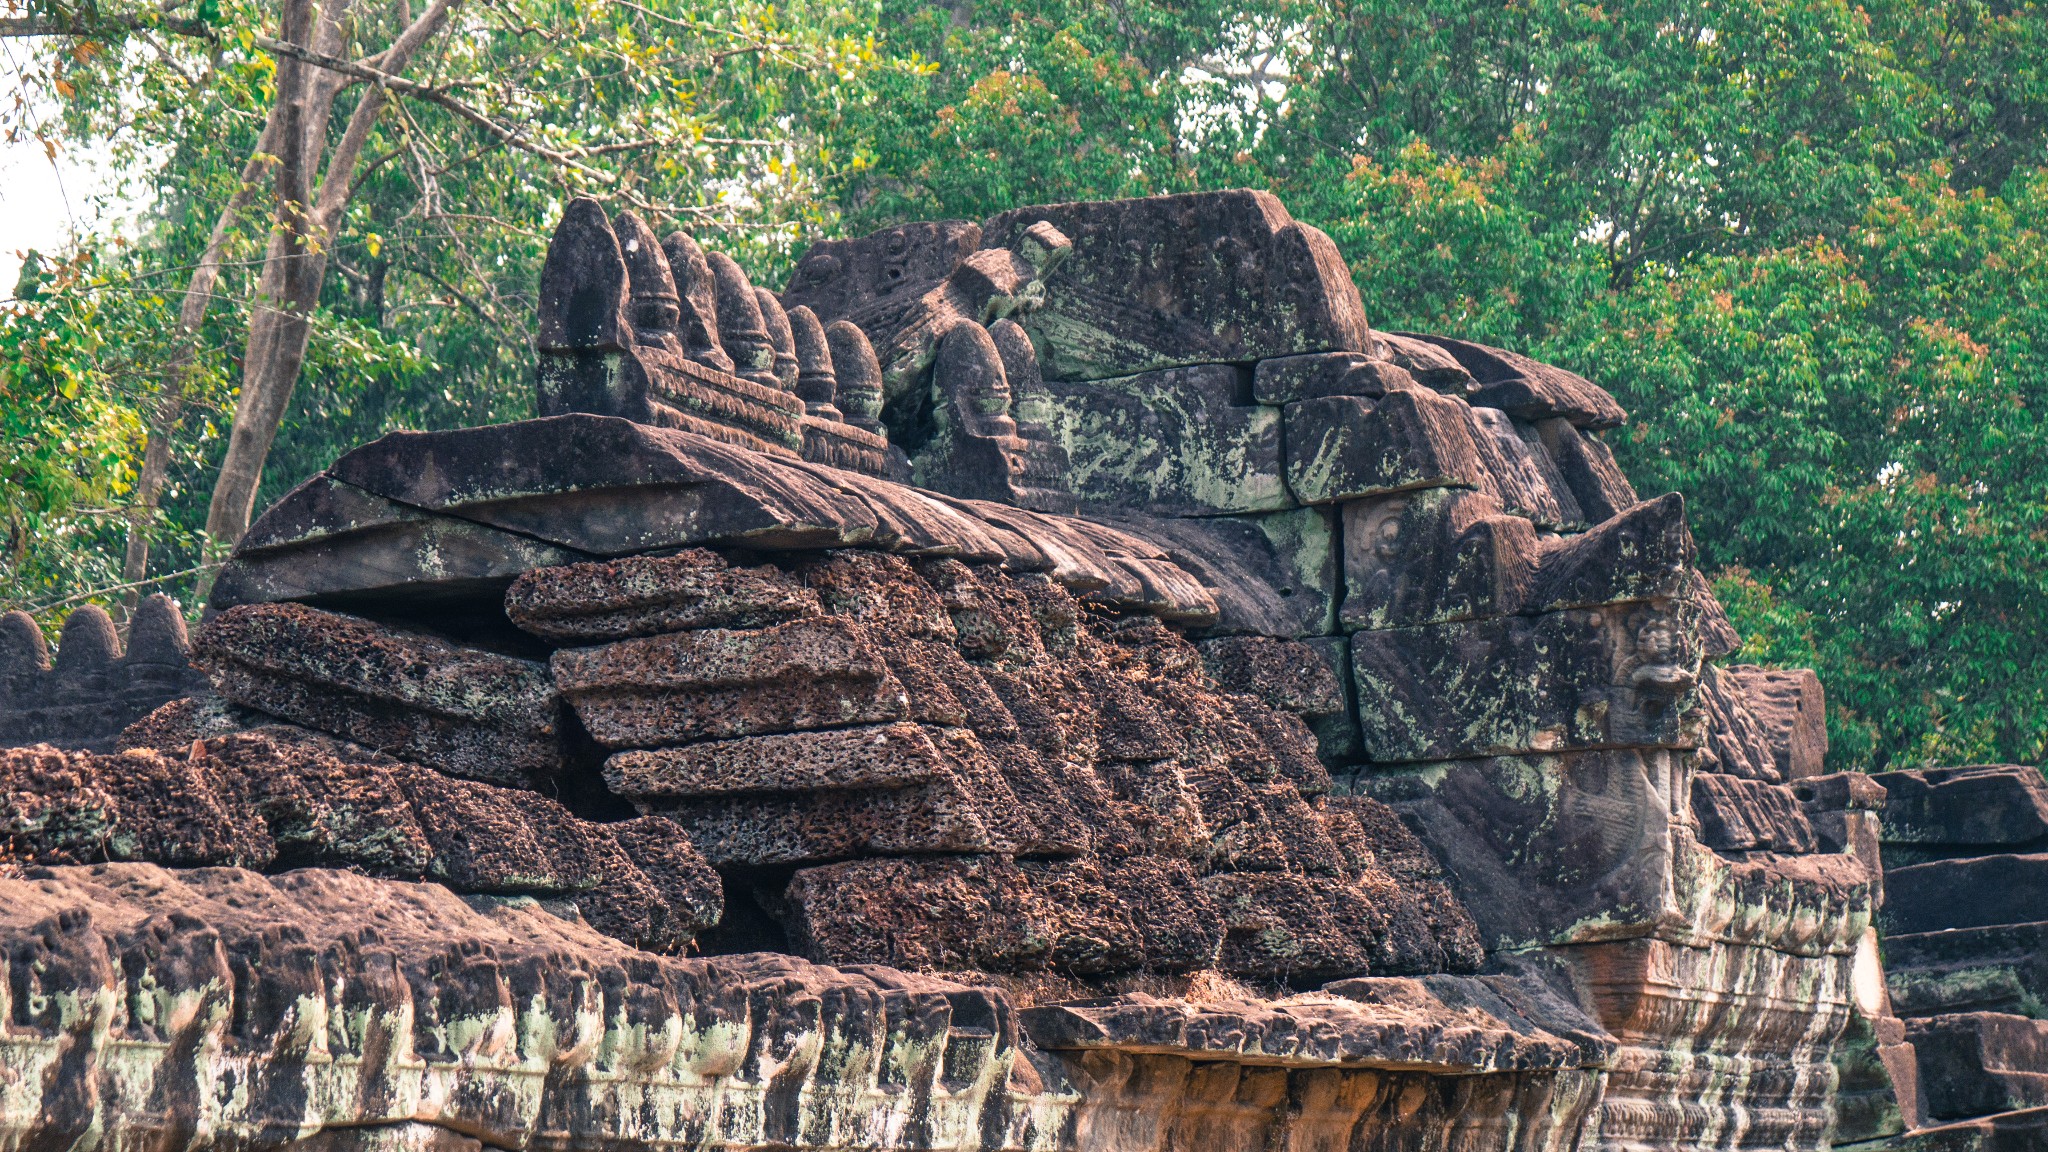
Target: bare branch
pixel 337 184
pixel 432 95
pixel 103 25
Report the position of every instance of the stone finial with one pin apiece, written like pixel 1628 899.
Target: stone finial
pixel 1020 367
pixel 1043 247
pixel 584 284
pixel 157 635
pixel 741 327
pixel 21 645
pixel 656 306
pixel 859 375
pixel 697 292
pixel 817 385
pixel 968 377
pixel 779 337
pixel 987 286
pixel 88 642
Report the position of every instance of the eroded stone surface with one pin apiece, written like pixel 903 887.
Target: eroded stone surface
pixel 463 711
pixel 1366 671
pixel 278 797
pixel 94 688
pixel 1207 278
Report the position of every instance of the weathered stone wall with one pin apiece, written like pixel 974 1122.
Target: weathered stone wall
pixel 1966 932
pixel 1359 771
pixel 1421 547
pixel 93 688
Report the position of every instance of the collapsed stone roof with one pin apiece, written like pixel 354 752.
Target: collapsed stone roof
pixel 1038 684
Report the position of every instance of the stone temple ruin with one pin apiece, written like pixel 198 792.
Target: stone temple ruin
pixel 1065 684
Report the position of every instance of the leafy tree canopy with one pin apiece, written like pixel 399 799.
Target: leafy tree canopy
pixel 1801 240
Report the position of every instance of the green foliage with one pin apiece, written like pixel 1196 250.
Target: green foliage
pixel 1802 242
pixel 76 350
pixel 682 109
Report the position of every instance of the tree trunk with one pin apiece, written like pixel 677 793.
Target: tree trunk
pixel 169 409
pixel 295 263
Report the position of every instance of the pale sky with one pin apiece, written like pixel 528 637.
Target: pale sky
pixel 41 202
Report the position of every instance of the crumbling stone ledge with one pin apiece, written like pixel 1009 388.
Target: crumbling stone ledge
pixel 379 1013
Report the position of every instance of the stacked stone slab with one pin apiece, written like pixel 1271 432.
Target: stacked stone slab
pixel 1065 791
pixel 198 789
pixel 93 688
pixel 1966 932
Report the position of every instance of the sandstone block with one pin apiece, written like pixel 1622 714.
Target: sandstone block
pixel 1431 366
pixel 1991 807
pixel 1543 848
pixel 460 710
pixel 1270 574
pixel 1975 892
pixel 1205 278
pixel 1975 1063
pixel 1792 709
pixel 1734 742
pixel 327 536
pixel 1600 677
pixel 1528 389
pixel 717 683
pixel 1737 815
pixel 1285 379
pixel 1346 447
pixel 648 595
pixel 1001 278
pixel 607 486
pixel 696 327
pixel 1586 464
pixel 1443 554
pixel 1999 968
pixel 843 446
pixel 1434 555
pixel 1174 442
pixel 1879 1091
pixel 1519 473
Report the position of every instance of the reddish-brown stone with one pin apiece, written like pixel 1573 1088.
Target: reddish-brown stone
pixel 649 595
pixel 464 711
pixel 718 682
pixel 837 759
